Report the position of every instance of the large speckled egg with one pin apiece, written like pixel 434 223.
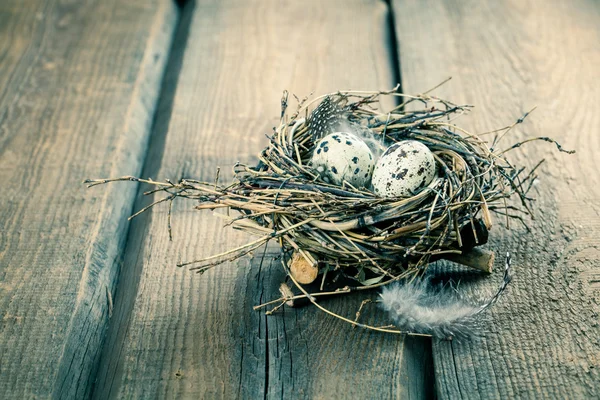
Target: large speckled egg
pixel 342 156
pixel 404 169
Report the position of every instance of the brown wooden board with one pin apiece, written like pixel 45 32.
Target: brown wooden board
pixel 176 334
pixel 78 87
pixel 543 339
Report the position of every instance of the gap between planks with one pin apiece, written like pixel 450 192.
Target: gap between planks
pixel 112 368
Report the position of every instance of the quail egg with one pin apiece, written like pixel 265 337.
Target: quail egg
pixel 342 156
pixel 404 169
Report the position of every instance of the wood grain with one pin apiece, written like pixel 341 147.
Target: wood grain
pixel 78 87
pixel 543 338
pixel 178 335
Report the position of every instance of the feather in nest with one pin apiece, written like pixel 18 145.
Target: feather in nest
pixel 439 311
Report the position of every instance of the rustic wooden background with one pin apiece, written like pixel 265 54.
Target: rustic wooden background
pixel 92 305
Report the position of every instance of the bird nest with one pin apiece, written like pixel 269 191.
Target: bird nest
pixel 342 233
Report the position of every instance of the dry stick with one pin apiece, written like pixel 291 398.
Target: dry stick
pixel 520 120
pixel 412 98
pixel 438 85
pixel 362 304
pixel 200 269
pixel 304 270
pixel 260 241
pixel 148 207
pixel 543 138
pixel 301 296
pixel 95 182
pixel 293 130
pixel 169 218
pixel 475 258
pixel 505 206
pixel 217 178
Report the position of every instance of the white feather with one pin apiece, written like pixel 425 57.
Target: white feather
pixel 420 307
pixel 440 311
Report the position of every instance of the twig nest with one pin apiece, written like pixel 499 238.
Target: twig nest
pixel 342 156
pixel 310 190
pixel 404 169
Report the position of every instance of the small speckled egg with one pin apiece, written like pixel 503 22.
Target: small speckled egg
pixel 404 169
pixel 342 156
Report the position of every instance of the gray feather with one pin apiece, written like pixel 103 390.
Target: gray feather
pixel 440 311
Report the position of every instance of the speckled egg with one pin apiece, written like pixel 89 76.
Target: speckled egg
pixel 404 169
pixel 342 156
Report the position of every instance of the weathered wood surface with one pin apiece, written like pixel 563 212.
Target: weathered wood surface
pixel 178 335
pixel 506 57
pixel 78 87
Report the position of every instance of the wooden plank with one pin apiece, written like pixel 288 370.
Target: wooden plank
pixel 183 336
pixel 507 57
pixel 78 87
